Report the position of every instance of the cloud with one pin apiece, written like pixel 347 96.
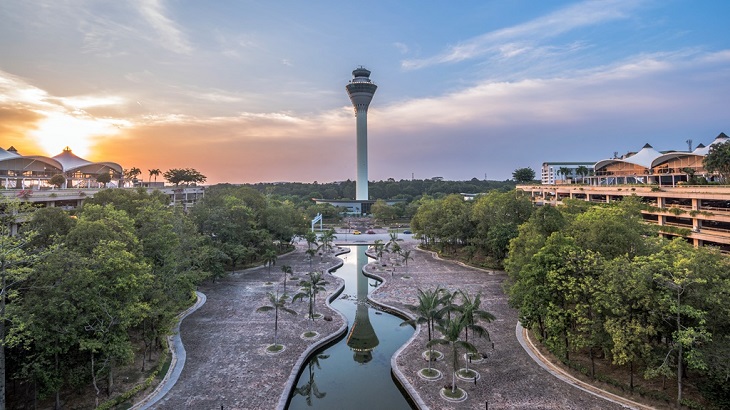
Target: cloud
pixel 171 37
pixel 515 40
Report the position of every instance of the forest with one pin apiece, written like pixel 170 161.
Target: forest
pixel 86 293
pixel 596 285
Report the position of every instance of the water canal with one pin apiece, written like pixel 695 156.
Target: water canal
pixel 354 373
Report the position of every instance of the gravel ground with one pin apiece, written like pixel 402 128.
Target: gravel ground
pixel 510 379
pixel 227 365
pixel 225 340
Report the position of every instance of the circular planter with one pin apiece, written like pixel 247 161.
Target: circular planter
pixel 475 357
pixel 310 335
pixel 459 396
pixel 467 375
pixel 435 374
pixel 437 356
pixel 273 350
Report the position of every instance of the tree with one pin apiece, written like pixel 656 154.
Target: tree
pixel 188 176
pixel 154 172
pixel 406 257
pixel 132 174
pixel 104 178
pixel 582 171
pixel 565 172
pixel 310 289
pixel 470 309
pixel 450 330
pixel 270 258
pixel 428 311
pixel 14 261
pixel 523 175
pixel 276 303
pixel 382 211
pixel 58 180
pixel 287 271
pixel 718 160
pixel 682 274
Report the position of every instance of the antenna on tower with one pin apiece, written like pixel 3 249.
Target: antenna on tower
pixel 689 143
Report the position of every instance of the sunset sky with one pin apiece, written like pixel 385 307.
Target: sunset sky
pixel 248 91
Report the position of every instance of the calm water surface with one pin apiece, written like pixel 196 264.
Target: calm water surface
pixel 355 372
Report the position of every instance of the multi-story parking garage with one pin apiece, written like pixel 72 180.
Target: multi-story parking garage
pixel 699 213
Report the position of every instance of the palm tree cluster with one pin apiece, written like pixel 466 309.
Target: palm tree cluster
pixel 310 288
pixel 399 255
pixel 454 316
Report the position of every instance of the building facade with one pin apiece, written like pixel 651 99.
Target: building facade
pixel 663 181
pixel 552 172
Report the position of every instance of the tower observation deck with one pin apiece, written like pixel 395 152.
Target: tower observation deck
pixel 361 91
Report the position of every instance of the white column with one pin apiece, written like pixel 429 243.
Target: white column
pixel 361 185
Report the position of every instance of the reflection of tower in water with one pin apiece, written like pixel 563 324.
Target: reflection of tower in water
pixel 362 338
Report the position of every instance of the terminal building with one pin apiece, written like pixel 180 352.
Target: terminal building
pixel 28 179
pixel 663 180
pixel 35 171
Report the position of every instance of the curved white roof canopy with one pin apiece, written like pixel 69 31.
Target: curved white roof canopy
pixel 643 158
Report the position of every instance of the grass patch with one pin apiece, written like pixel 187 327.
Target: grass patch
pixel 429 372
pixel 275 348
pixel 457 394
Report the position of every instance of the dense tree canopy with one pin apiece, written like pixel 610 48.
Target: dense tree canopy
pixel 718 160
pixel 597 279
pixel 522 175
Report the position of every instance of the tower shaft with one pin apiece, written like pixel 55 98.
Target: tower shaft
pixel 361 186
pixel 361 91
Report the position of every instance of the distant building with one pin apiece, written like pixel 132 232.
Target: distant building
pixel 550 171
pixel 698 213
pixel 34 171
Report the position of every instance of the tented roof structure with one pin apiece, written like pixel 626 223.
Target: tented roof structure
pixel 643 158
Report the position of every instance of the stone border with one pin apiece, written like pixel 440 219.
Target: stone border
pixel 177 361
pixel 449 399
pixel 524 338
pixel 438 376
pixel 467 379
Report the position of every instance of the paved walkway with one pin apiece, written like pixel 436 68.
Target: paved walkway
pixel 226 339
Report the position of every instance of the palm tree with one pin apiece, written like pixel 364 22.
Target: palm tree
pixel 132 173
pixel 327 239
pixel 154 172
pixel 582 171
pixel 471 313
pixel 311 239
pixel 406 256
pixel 270 257
pixel 311 288
pixel 310 254
pixel 428 311
pixel 451 331
pixel 276 303
pixel 287 270
pixel 565 171
pixel 469 308
pixel 379 247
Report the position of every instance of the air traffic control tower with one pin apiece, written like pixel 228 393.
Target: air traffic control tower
pixel 361 91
